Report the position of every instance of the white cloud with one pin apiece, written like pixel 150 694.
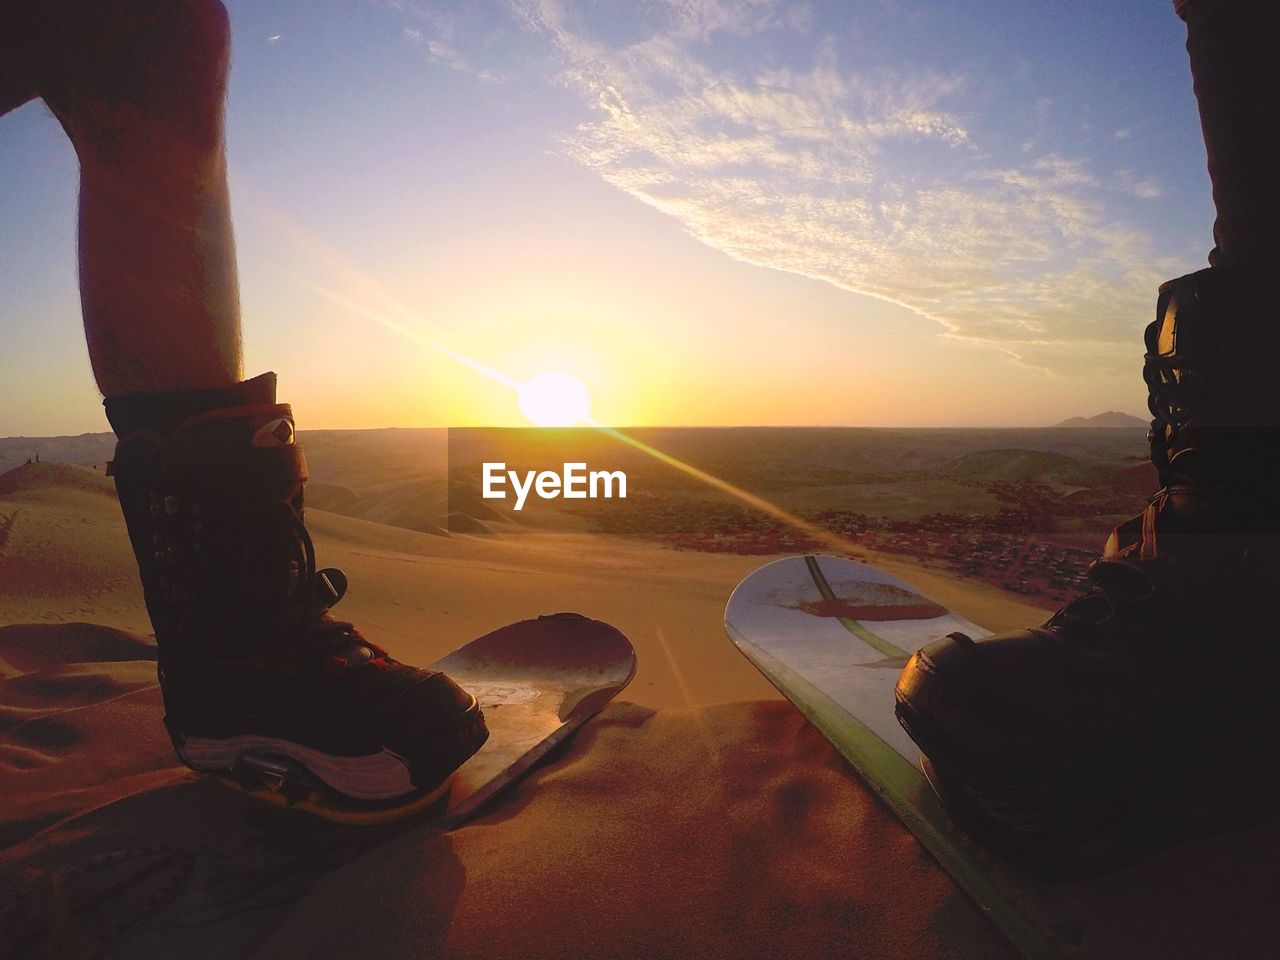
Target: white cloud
pixel 1148 189
pixel 702 19
pixel 436 35
pixel 868 180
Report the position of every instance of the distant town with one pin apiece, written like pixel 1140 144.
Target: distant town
pixel 1037 544
pixel 1004 550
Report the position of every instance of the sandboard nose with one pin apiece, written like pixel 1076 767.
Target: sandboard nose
pixel 563 642
pixel 537 682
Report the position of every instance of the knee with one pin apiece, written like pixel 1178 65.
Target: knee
pixel 194 59
pixel 202 30
pixel 128 67
pixel 180 48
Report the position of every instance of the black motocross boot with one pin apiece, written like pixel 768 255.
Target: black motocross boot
pixel 1147 710
pixel 258 679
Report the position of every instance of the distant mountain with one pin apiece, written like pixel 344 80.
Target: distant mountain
pixel 1112 418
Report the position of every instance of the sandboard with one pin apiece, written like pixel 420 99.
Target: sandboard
pixel 832 634
pixel 537 682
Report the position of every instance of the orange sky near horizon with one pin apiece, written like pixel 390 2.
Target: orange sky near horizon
pixel 764 213
pixel 636 325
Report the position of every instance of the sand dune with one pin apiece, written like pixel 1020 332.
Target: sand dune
pixel 722 831
pixel 698 817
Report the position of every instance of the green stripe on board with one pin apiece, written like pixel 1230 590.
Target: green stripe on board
pixel 879 644
pixel 908 795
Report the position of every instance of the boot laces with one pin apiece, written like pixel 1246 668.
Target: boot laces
pixel 321 590
pixel 1170 383
pixel 1115 584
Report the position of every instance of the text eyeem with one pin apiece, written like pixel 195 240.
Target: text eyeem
pixel 573 482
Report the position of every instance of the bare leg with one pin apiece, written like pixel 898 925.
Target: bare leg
pixel 13 93
pixel 207 469
pixel 1232 53
pixel 138 86
pixel 1186 588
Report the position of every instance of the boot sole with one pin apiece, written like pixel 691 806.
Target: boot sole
pixel 1040 841
pixel 278 782
pixel 1025 826
pixel 295 771
pixel 379 776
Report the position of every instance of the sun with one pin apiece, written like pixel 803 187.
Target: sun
pixel 555 400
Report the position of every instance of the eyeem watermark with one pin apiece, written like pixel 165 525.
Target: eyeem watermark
pixel 573 482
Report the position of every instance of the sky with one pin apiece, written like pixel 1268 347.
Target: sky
pixel 869 212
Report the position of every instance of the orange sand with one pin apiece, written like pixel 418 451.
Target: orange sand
pixel 699 817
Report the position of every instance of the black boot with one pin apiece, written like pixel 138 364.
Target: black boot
pixel 1147 710
pixel 251 664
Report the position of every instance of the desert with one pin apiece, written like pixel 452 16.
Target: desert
pixel 698 815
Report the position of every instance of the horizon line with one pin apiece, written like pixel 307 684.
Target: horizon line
pixel 661 426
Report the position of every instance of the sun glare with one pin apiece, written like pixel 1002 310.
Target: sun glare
pixel 554 400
